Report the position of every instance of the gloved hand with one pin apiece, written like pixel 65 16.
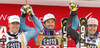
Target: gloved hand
pixel 73 6
pixel 30 10
pixel 24 10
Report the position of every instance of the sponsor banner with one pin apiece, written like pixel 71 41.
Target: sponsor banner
pixel 59 12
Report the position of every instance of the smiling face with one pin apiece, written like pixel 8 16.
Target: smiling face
pixel 14 27
pixel 92 28
pixel 50 24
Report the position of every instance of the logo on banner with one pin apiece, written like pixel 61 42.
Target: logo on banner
pixel 3 17
pixel 28 47
pixel 89 15
pixel 49 46
pixel 40 18
pixel 2 36
pixel 2 32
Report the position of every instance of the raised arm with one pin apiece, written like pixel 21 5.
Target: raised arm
pixel 30 32
pixel 72 23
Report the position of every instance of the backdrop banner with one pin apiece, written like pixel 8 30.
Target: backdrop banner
pixel 59 12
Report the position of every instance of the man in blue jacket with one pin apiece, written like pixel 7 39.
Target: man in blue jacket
pixel 48 33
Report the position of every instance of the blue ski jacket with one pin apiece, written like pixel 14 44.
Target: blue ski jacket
pixel 31 32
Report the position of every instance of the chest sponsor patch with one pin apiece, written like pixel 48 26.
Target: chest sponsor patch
pixel 49 41
pixel 15 44
pixel 92 45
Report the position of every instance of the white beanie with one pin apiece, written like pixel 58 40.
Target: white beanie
pixel 48 16
pixel 14 18
pixel 92 21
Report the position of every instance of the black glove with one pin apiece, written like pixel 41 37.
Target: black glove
pixel 24 15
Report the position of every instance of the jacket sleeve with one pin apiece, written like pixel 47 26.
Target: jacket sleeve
pixel 31 31
pixel 75 22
